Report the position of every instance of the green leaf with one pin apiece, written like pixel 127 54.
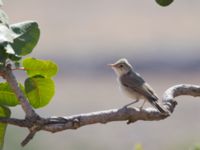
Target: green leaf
pixel 39 90
pixel 6 35
pixel 3 16
pixel 164 2
pixel 7 96
pixel 9 49
pixel 45 68
pixel 4 112
pixel 14 57
pixel 138 147
pixel 6 38
pixel 195 147
pixel 3 56
pixel 17 64
pixel 26 37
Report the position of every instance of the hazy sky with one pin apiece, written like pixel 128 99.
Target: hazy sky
pixel 89 28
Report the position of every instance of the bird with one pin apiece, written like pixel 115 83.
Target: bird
pixel 133 85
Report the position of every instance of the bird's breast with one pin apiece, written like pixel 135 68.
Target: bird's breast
pixel 130 92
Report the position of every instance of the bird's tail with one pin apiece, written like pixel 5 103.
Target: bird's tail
pixel 157 106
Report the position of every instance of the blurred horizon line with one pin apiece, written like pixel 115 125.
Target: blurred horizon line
pixel 97 65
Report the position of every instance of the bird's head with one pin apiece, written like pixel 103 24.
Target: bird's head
pixel 121 67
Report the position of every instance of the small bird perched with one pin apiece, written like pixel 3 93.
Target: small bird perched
pixel 133 85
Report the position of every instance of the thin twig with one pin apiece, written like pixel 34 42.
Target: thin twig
pixel 28 138
pixel 20 68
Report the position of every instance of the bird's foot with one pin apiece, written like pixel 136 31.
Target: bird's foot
pixel 141 108
pixel 125 107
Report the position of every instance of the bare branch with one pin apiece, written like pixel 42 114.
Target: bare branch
pixel 178 90
pixel 14 121
pixel 56 124
pixel 36 123
pixel 28 138
pixel 34 128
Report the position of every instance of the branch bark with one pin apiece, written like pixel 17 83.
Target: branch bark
pixel 178 90
pixel 54 124
pixel 7 74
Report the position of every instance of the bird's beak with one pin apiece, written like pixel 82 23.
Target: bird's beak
pixel 111 65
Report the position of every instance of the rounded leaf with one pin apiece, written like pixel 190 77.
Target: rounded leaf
pixel 3 56
pixel 39 90
pixel 7 96
pixel 14 57
pixel 6 35
pixel 26 37
pixel 46 68
pixel 3 16
pixel 164 2
pixel 4 112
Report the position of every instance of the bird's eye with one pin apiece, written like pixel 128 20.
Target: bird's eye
pixel 121 66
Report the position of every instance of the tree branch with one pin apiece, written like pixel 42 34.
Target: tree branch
pixel 7 74
pixel 36 123
pixel 178 90
pixel 56 124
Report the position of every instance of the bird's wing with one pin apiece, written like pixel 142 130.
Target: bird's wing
pixel 151 92
pixel 136 83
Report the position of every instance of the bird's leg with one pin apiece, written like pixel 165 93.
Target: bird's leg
pixel 142 104
pixel 132 103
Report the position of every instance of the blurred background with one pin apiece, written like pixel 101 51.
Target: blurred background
pixel 162 43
